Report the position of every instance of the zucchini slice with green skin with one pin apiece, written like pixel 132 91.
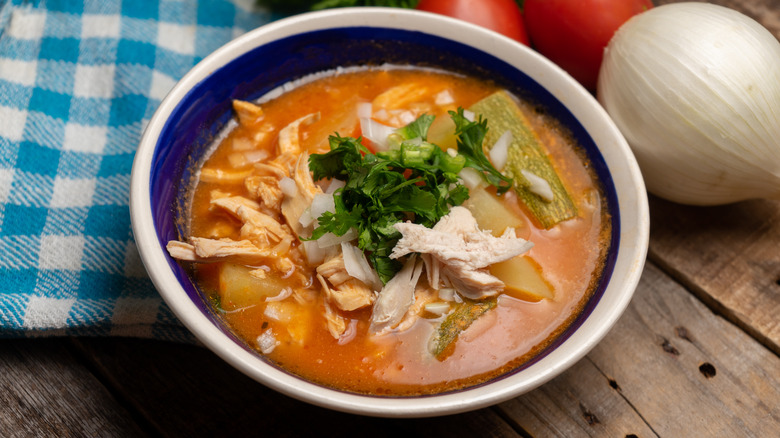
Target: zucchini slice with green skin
pixel 458 320
pixel 525 153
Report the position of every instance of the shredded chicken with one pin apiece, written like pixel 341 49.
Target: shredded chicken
pixel 462 251
pixel 293 207
pixel 395 299
pixel 345 292
pixel 258 227
pixel 334 270
pixel 400 96
pixel 266 189
pixel 204 250
pixel 348 296
pixel 289 146
pixel 248 113
pixel 422 296
pixel 223 176
pixel 337 324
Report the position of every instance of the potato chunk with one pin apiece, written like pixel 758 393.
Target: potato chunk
pixel 523 279
pixel 491 214
pixel 238 287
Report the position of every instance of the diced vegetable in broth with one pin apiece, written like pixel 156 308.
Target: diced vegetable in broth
pixel 523 279
pixel 526 153
pixel 239 288
pixel 492 214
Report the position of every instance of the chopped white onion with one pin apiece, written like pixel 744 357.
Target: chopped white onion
pixel 288 187
pixel 376 132
pixel 406 117
pixel 321 203
pixel 539 186
pixel 267 341
pixel 444 97
pixel 447 294
pixel 357 266
pixel 437 308
pixel 452 152
pixel 316 255
pixel 500 150
pixel 334 185
pixel 471 178
pixel 330 239
pixel 306 218
pixel 364 110
pixel 256 156
pixel 281 296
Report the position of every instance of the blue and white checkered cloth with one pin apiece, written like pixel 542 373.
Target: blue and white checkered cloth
pixel 78 82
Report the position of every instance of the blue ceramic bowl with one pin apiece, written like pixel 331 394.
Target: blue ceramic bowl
pixel 199 106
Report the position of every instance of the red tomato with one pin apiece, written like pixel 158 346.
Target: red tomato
pixel 502 16
pixel 573 33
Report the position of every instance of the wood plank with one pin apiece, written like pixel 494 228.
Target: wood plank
pixel 728 256
pixel 670 367
pixel 184 390
pixel 578 403
pixel 46 391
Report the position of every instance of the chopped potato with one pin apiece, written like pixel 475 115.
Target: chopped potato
pixel 523 279
pixel 491 214
pixel 238 288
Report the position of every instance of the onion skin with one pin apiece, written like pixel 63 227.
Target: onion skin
pixel 695 89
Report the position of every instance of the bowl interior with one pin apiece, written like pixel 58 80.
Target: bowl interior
pixel 193 116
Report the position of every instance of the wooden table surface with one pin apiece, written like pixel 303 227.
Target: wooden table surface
pixel 694 355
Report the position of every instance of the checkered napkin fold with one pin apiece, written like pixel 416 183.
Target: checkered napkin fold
pixel 78 82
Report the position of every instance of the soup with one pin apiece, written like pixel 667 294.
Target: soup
pixel 354 229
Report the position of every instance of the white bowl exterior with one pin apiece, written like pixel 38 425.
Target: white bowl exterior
pixel 631 194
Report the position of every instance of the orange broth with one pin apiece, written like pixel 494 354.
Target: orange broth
pixel 570 254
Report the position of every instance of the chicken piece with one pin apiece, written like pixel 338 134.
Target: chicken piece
pixel 204 250
pixel 272 169
pixel 266 189
pixel 422 296
pixel 400 96
pixel 337 324
pixel 463 251
pixel 289 136
pixel 247 113
pixel 350 295
pixel 289 147
pixel 258 225
pixel 293 207
pixel 395 299
pixel 334 270
pixel 209 175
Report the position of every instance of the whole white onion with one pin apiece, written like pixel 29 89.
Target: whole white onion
pixel 695 89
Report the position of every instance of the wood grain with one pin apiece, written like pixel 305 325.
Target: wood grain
pixel 185 390
pixel 688 371
pixel 670 367
pixel 46 392
pixel 728 256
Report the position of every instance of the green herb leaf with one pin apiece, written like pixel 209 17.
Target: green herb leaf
pixel 416 182
pixel 471 136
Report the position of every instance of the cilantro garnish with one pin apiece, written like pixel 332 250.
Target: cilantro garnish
pixel 471 135
pixel 415 180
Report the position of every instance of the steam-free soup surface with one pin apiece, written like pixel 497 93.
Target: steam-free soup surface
pixel 281 308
